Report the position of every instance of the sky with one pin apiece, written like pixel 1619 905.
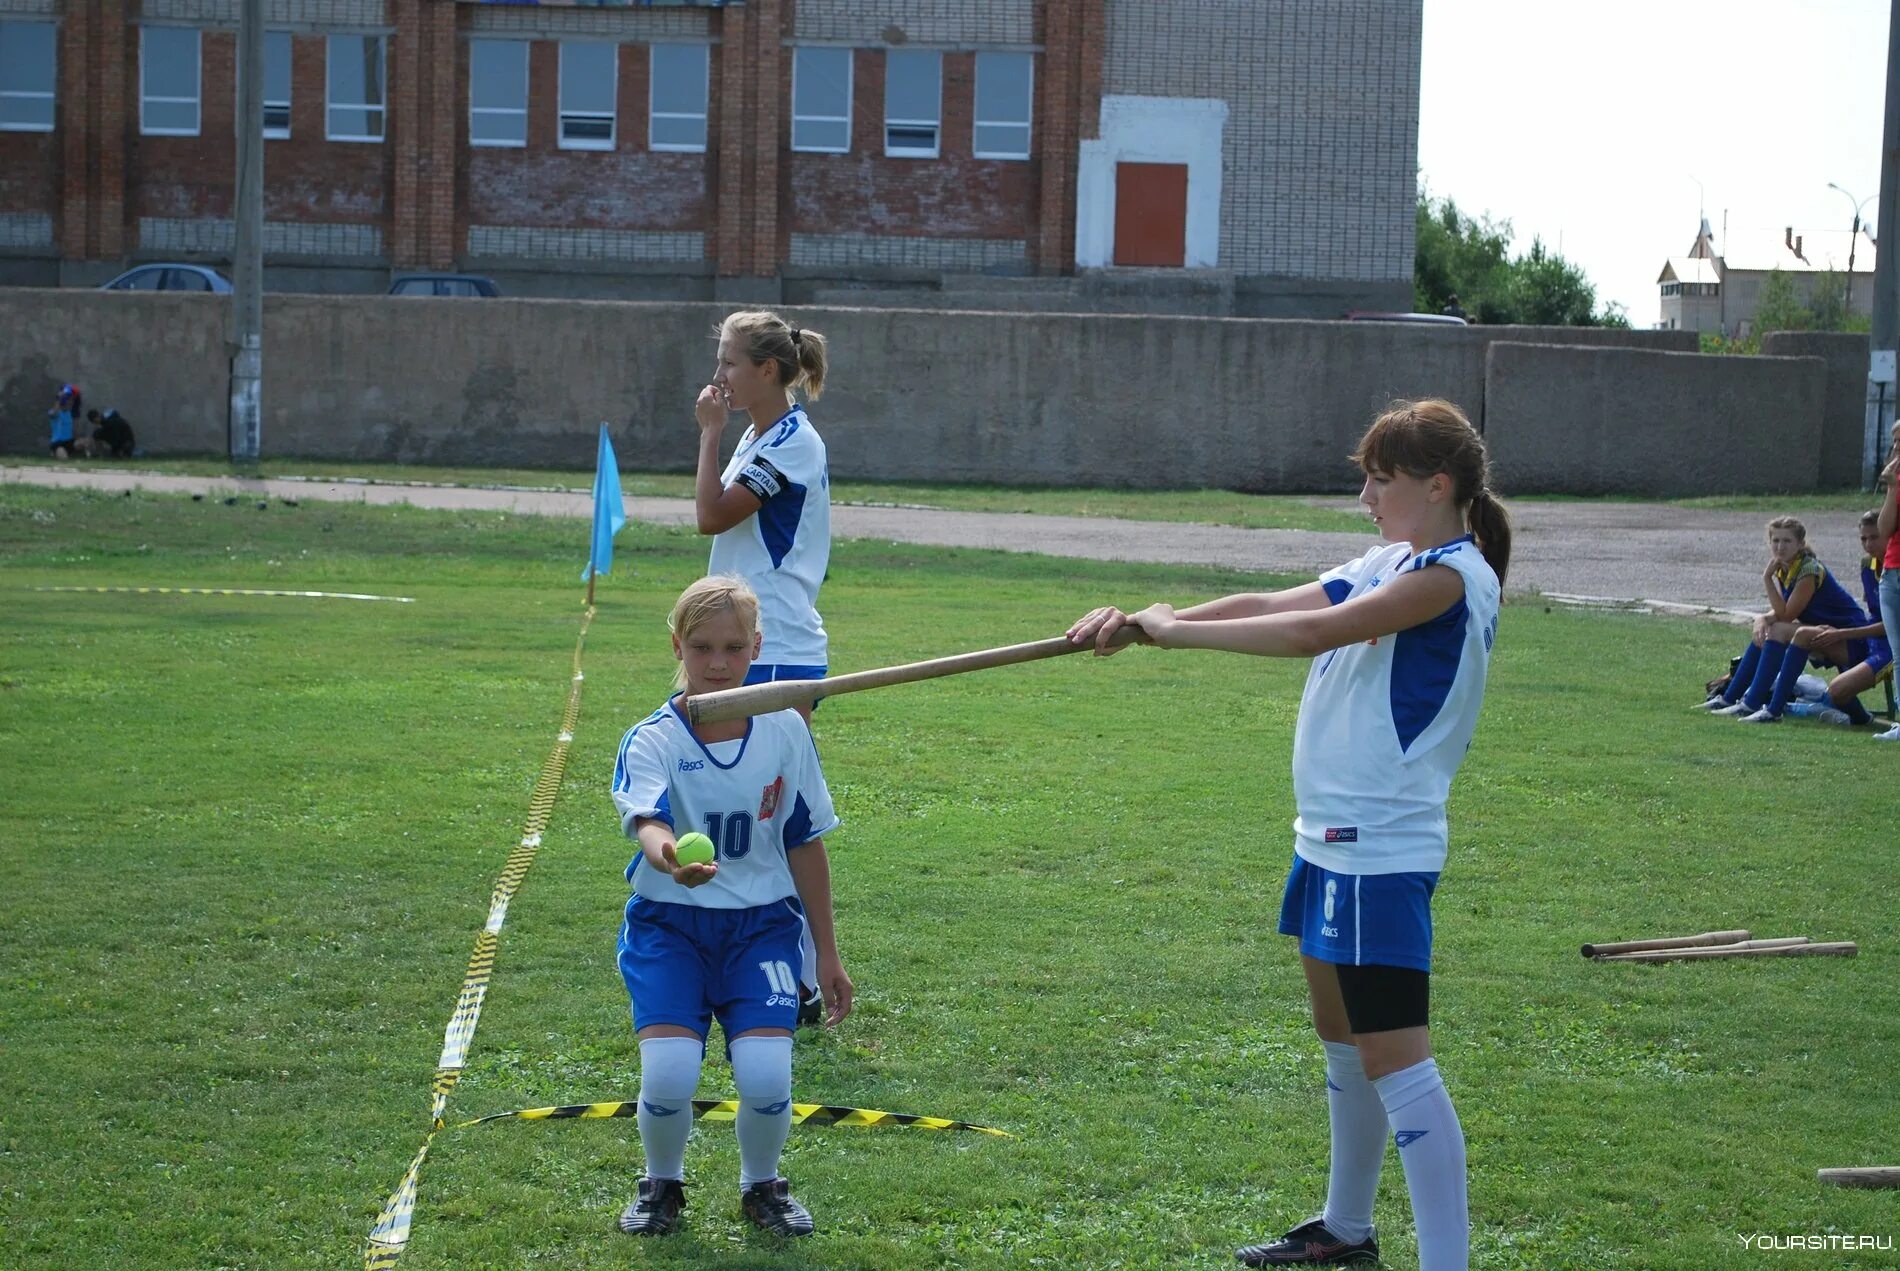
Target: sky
pixel 1589 125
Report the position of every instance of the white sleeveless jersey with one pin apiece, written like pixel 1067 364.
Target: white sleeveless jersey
pixel 1384 725
pixel 783 549
pixel 757 799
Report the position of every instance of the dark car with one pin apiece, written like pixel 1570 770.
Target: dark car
pixel 443 285
pixel 169 277
pixel 1432 319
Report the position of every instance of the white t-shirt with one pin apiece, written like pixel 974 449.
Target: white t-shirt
pixel 757 798
pixel 1384 725
pixel 783 549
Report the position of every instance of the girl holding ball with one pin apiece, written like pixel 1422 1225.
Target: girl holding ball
pixel 1400 641
pixel 721 939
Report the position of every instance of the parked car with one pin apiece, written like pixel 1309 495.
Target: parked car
pixel 443 285
pixel 1437 319
pixel 170 277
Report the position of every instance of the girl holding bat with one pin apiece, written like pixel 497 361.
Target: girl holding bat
pixel 1400 640
pixel 721 939
pixel 769 509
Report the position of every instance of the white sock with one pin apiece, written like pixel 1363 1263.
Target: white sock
pixel 669 1074
pixel 1432 1149
pixel 1359 1133
pixel 762 1069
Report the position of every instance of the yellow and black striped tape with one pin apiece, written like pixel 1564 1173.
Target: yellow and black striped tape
pixel 231 591
pixel 727 1109
pixel 390 1235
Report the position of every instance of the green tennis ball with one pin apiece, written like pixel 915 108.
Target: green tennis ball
pixel 693 849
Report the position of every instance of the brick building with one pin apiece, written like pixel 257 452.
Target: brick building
pixel 1241 156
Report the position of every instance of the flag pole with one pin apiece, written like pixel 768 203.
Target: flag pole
pixel 590 582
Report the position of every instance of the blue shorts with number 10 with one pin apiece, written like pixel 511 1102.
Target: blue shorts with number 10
pixel 686 964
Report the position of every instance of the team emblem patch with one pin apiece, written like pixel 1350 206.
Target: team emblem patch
pixel 1342 834
pixel 769 797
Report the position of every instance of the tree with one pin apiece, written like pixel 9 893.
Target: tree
pixel 1778 309
pixel 1470 257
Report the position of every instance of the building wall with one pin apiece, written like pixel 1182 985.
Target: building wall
pixel 30 166
pixel 1322 88
pixel 1321 139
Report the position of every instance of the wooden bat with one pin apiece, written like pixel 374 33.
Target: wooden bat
pixel 1755 949
pixel 1668 942
pixel 1779 942
pixel 1862 1176
pixel 762 699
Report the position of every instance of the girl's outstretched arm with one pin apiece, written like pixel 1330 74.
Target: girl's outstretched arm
pixel 1406 601
pixel 1099 624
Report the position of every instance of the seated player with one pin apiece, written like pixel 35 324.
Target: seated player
pixel 1837 645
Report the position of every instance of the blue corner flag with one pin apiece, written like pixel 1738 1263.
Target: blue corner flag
pixel 609 514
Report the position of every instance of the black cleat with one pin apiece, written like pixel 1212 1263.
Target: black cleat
pixel 811 1010
pixel 656 1210
pixel 771 1208
pixel 1311 1245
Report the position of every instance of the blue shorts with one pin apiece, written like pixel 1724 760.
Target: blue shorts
pixel 1855 652
pixel 685 964
pixel 1359 919
pixel 1879 655
pixel 766 672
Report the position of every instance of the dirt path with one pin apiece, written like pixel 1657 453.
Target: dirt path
pixel 1677 559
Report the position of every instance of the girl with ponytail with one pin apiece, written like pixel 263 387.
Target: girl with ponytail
pixel 768 509
pixel 1400 640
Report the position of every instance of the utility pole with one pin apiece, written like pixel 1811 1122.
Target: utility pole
pixel 247 263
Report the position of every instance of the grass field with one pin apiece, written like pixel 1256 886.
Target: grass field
pixel 248 843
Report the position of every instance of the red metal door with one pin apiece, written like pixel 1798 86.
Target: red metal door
pixel 1151 214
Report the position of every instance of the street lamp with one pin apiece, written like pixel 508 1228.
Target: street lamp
pixel 1853 241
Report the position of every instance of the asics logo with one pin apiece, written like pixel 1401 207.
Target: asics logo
pixel 692 765
pixel 657 1110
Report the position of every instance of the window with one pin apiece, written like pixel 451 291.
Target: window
pixel 139 280
pixel 28 72
pixel 185 280
pixel 168 81
pixel 277 84
pixel 588 78
pixel 498 92
pixel 678 113
pixel 913 103
pixel 821 100
pixel 357 102
pixel 1003 105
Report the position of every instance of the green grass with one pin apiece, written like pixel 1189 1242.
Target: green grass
pixel 247 843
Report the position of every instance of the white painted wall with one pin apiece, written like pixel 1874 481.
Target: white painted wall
pixel 1151 130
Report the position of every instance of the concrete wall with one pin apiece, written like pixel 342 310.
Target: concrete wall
pixel 1844 416
pixel 1570 420
pixel 160 358
pixel 1026 399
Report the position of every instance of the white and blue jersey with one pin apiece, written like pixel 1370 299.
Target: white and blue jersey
pixel 758 798
pixel 783 549
pixel 1384 725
